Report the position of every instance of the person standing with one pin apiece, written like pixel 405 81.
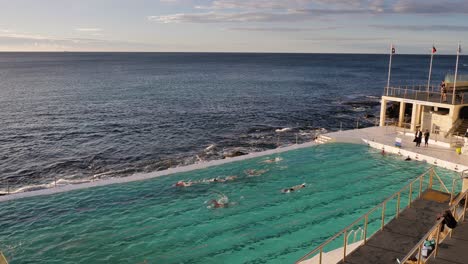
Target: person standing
pixel 443 90
pixel 426 138
pixel 418 137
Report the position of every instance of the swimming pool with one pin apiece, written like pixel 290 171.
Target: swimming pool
pixel 154 221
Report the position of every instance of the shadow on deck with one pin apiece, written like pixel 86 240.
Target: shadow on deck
pixel 400 235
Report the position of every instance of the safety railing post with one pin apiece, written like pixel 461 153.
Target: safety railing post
pixel 464 207
pixel 431 177
pixel 320 255
pixel 398 205
pixel 419 254
pixel 436 250
pixel 345 241
pixel 410 194
pixel 420 186
pixel 383 216
pixel 366 219
pixel 451 193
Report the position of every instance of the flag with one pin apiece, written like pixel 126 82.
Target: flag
pixel 434 50
pixel 393 50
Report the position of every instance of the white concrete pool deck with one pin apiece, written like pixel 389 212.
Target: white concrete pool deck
pixel 437 153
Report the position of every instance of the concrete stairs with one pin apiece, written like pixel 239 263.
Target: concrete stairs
pixel 322 139
pixel 461 129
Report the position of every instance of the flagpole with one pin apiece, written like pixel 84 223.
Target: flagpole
pixel 389 67
pixel 430 68
pixel 455 78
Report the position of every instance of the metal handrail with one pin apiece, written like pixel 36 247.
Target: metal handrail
pixel 437 225
pixel 365 217
pixel 441 182
pixel 412 92
pixel 3 259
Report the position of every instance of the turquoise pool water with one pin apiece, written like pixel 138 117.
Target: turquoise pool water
pixel 156 222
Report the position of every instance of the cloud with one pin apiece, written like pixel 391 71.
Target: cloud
pixel 42 42
pixel 291 15
pixel 431 7
pixel 88 29
pixel 279 29
pixel 216 17
pixel 250 5
pixel 339 39
pixel 239 11
pixel 422 27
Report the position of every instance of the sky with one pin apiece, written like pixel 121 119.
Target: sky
pixel 310 26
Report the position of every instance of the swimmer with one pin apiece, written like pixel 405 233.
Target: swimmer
pixel 408 158
pixel 252 173
pixel 294 188
pixel 230 178
pixel 277 159
pixel 222 202
pixel 214 180
pixel 183 184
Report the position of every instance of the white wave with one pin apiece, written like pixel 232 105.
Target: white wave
pixel 210 147
pixel 281 130
pixel 359 109
pixel 35 187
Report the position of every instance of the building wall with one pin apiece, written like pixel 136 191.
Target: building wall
pixel 444 122
pixel 426 118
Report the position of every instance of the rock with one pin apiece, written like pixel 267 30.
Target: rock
pixel 235 153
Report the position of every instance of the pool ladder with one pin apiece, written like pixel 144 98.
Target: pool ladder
pixel 355 232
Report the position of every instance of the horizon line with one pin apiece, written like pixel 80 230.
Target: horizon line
pixel 232 52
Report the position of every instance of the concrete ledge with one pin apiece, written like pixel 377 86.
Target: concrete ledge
pixel 416 156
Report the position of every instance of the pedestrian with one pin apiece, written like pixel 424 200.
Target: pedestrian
pixel 443 90
pixel 418 137
pixel 426 138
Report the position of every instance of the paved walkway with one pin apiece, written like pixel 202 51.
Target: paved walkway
pixel 386 136
pixel 401 234
pixel 454 250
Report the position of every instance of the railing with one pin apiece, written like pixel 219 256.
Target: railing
pixel 426 179
pixel 451 138
pixel 419 92
pixel 3 259
pixel 458 211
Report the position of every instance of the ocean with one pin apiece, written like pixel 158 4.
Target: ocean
pixel 74 116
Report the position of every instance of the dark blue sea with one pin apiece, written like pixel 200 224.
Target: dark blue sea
pixel 75 116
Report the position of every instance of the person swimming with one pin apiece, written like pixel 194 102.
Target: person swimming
pixel 408 158
pixel 294 188
pixel 277 159
pixel 221 202
pixel 230 178
pixel 183 184
pixel 252 172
